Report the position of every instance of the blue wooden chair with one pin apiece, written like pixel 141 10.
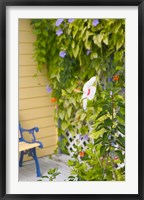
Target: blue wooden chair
pixel 26 147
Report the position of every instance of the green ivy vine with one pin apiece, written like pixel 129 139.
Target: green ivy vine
pixel 73 51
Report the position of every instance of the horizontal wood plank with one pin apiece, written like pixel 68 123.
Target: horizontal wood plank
pixel 26 48
pixel 49 141
pixel 30 71
pixel 33 81
pixel 24 25
pixel 41 122
pixel 38 112
pixel 35 103
pixel 25 93
pixel 26 37
pixel 27 60
pixel 46 132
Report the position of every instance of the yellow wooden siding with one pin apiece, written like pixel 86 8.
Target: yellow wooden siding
pixel 35 106
pixel 34 103
pixel 26 60
pixel 33 82
pixel 40 152
pixel 30 71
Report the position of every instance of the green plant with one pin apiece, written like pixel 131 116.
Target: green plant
pixel 103 158
pixel 73 51
pixel 52 174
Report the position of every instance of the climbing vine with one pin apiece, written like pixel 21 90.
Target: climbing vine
pixel 74 51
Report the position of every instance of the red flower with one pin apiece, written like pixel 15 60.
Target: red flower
pixel 81 154
pixel 115 77
pixel 116 158
pixel 53 99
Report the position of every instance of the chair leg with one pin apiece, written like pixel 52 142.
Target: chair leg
pixel 36 162
pixel 21 158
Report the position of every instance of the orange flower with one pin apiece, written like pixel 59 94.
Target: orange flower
pixel 81 154
pixel 53 99
pixel 115 77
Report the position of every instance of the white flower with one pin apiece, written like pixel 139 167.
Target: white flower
pixel 88 91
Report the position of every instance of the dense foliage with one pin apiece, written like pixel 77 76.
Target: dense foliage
pixel 74 51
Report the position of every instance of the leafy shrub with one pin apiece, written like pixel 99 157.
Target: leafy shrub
pixel 73 51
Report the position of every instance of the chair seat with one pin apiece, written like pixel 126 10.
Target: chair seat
pixel 23 146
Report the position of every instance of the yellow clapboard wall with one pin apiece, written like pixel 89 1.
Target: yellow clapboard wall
pixel 35 106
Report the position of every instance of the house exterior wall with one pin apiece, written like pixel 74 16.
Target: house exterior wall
pixel 35 106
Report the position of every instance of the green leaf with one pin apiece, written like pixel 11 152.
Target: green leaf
pixel 105 40
pixel 45 177
pixel 71 163
pixel 93 55
pixel 116 27
pixel 88 44
pixel 64 125
pixel 43 43
pixel 121 115
pixel 66 104
pixel 103 150
pixel 89 152
pixel 37 31
pixel 98 39
pixel 61 115
pixel 75 51
pixel 120 155
pixel 73 44
pixel 98 140
pixel 45 33
pixel 121 128
pixel 75 31
pixel 119 44
pixel 83 116
pixel 99 127
pixel 108 122
pixel 69 111
pixel 102 113
pixel 121 141
pixel 105 136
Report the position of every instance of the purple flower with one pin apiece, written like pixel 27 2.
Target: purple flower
pixel 58 22
pixel 86 137
pixel 70 20
pixel 59 32
pixel 109 79
pixel 62 54
pixel 48 89
pixel 95 22
pixel 88 52
pixel 113 144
